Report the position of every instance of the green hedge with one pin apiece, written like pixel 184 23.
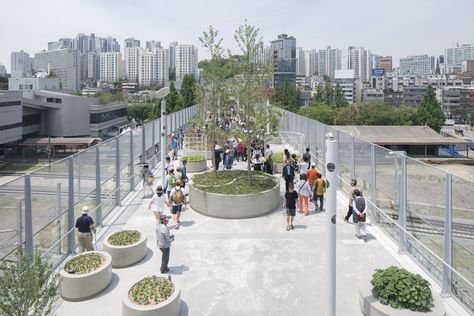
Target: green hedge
pixel 193 158
pixel 234 182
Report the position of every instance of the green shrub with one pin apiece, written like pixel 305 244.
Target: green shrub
pixel 124 238
pixel 400 288
pixel 278 157
pixel 83 264
pixel 151 291
pixel 234 182
pixel 193 158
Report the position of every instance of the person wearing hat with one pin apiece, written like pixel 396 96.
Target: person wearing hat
pixel 217 155
pixel 159 201
pixel 163 241
pixel 85 226
pixel 148 180
pixel 177 198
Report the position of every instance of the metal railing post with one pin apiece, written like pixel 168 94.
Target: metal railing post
pixel 29 247
pixel 153 137
pixel 402 214
pixel 79 171
pixel 448 241
pixel 19 223
pixel 353 173
pixel 143 160
pixel 117 171
pixel 163 141
pixel 71 241
pixel 58 217
pixel 132 164
pixel 98 188
pixel 323 136
pixel 373 182
pixel 337 160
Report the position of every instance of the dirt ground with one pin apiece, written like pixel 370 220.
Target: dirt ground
pixel 465 171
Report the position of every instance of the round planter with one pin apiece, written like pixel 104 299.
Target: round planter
pixel 76 287
pixel 235 206
pixel 197 166
pixel 169 307
pixel 371 306
pixel 124 256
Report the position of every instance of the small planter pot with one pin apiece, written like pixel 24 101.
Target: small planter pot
pixel 169 307
pixel 197 166
pixel 235 206
pixel 76 287
pixel 124 256
pixel 371 306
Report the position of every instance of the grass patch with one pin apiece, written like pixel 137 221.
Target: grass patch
pixel 193 158
pixel 124 238
pixel 233 182
pixel 13 167
pixel 278 157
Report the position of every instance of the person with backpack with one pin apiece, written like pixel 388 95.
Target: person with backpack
pixel 359 206
pixel 148 180
pixel 318 193
pixel 304 193
pixel 170 182
pixel 184 175
pixel 176 199
pixel 290 204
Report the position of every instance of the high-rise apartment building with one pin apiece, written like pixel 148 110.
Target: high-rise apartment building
pixel 300 62
pixel 64 63
pixel 417 65
pixel 131 42
pixel 329 60
pixel 152 44
pixel 153 67
pixel 132 60
pixel 110 66
pixel 186 61
pixel 109 44
pixel 385 62
pixel 263 53
pixel 172 54
pixel 454 56
pixel 93 66
pixel 3 70
pixel 361 62
pixel 20 66
pixel 311 64
pixel 284 60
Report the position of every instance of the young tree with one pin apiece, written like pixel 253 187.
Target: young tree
pixel 188 93
pixel 328 93
pixel 173 101
pixel 28 286
pixel 139 112
pixel 286 97
pixel 339 99
pixel 318 97
pixel 430 112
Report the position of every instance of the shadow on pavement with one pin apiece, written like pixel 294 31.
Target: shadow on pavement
pixel 113 284
pixel 188 223
pixel 178 269
pixel 184 310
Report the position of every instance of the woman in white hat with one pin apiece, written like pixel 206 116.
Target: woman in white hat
pixel 85 226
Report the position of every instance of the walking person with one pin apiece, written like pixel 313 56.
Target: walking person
pixel 148 180
pixel 290 204
pixel 268 166
pixel 163 241
pixel 318 193
pixel 184 175
pixel 304 193
pixel 311 175
pixel 158 201
pixel 351 199
pixel 176 199
pixel 240 151
pixel 359 206
pixel 168 164
pixel 228 160
pixel 85 227
pixel 217 155
pixel 288 173
pixel 170 182
pixel 307 156
pixel 257 163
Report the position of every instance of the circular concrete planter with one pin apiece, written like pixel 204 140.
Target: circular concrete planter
pixel 235 206
pixel 76 287
pixel 124 256
pixel 197 166
pixel 169 307
pixel 371 306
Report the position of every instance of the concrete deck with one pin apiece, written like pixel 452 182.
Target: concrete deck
pixel 248 267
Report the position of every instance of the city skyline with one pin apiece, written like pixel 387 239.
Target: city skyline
pixel 397 29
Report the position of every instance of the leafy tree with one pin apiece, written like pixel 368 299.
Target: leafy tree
pixel 339 99
pixel 188 91
pixel 318 97
pixel 139 112
pixel 430 112
pixel 286 97
pixel 28 286
pixel 328 93
pixel 320 112
pixel 172 74
pixel 173 100
pixel 406 115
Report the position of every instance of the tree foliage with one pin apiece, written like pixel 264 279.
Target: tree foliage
pixel 188 91
pixel 339 99
pixel 140 112
pixel 286 97
pixel 173 100
pixel 28 286
pixel 318 96
pixel 430 112
pixel 328 95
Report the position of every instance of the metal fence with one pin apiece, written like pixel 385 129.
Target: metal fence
pixel 38 210
pixel 428 212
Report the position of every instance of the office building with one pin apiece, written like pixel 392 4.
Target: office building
pixel 153 67
pixel 300 62
pixel 450 99
pixel 284 60
pixel 3 70
pixel 413 95
pixel 132 60
pixel 63 63
pixel 28 84
pixel 110 66
pixel 20 64
pixel 131 42
pixel 372 95
pixel 53 46
pixel 454 56
pixel 109 44
pixel 467 67
pixel 186 61
pixel 172 54
pixel 329 60
pixel 10 116
pixel 152 44
pixel 360 62
pixel 311 63
pixel 385 62
pixel 93 67
pixel 417 65
pixel 347 83
pixel 263 54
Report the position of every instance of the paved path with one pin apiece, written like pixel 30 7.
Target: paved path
pixel 246 267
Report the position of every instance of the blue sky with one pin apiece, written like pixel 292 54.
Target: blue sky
pixel 398 28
